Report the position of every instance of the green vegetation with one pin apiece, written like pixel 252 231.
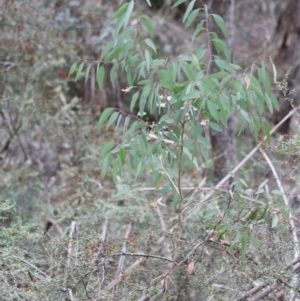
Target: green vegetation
pixel 127 209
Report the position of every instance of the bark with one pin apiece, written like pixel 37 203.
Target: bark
pixel 287 37
pixel 223 143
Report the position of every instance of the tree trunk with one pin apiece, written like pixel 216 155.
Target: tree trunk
pixel 287 37
pixel 223 143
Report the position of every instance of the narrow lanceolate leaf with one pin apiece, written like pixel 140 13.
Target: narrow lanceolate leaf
pixel 274 221
pixel 244 248
pixel 133 100
pixel 107 147
pixel 112 119
pixel 128 12
pixel 113 54
pixel 148 25
pixel 79 71
pixel 245 115
pixel 192 17
pixel 274 101
pixel 104 116
pixel 188 10
pixel 73 68
pixel 215 126
pixel 150 44
pixel 120 11
pixel 87 72
pixel 122 155
pixel 100 77
pixel 105 165
pixel 220 22
pixel 178 3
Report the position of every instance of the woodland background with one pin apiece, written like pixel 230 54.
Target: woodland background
pixel 64 230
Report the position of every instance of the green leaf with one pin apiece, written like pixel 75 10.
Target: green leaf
pixel 220 22
pixel 105 165
pixel 263 184
pixel 87 72
pixel 139 168
pixel 188 70
pixel 225 103
pixel 148 2
pixel 122 155
pixel 79 71
pixel 104 116
pixel 112 119
pixel 277 192
pixel 215 126
pixel 178 3
pixel 115 171
pixel 264 78
pixel 192 95
pixel 253 215
pixel 221 46
pixel 133 100
pixel 254 85
pixel 119 120
pixel 150 44
pixel 267 130
pixel 190 156
pixel 245 115
pixel 112 74
pixel 107 48
pixel 255 242
pixel 148 25
pixel 201 52
pixel 213 110
pixel 275 221
pixel 148 59
pixel 107 147
pixel 210 213
pixel 128 12
pixel 222 64
pixel 126 123
pixel 199 30
pixel 120 11
pixel 274 101
pixel 197 132
pixel 188 10
pixel 191 17
pixel 100 77
pixel 113 54
pixel 73 68
pixel 244 240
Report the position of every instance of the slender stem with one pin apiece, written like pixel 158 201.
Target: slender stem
pixel 239 166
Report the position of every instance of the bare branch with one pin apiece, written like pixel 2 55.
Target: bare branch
pixel 239 166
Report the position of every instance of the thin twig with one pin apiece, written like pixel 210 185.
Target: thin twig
pixel 250 292
pixel 291 220
pixel 267 291
pixel 70 251
pixel 71 295
pixel 141 255
pixel 286 201
pixel 239 166
pixel 122 257
pixel 164 229
pixel 166 173
pixel 123 275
